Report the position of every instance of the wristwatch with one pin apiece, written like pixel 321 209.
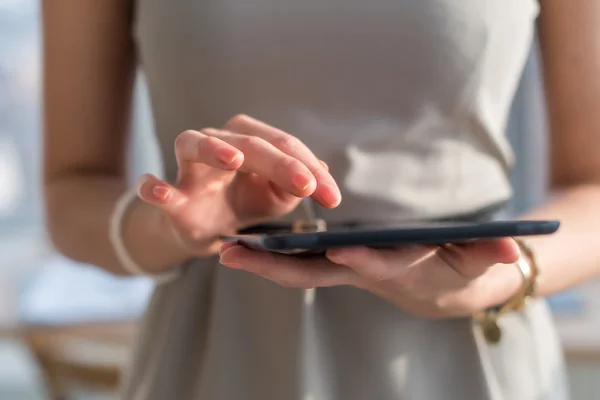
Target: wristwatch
pixel 489 319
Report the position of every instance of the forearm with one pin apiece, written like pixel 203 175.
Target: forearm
pixel 571 255
pixel 79 208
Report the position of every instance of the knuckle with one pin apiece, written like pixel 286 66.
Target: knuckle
pixel 192 144
pixel 188 133
pixel 286 143
pixel 188 143
pixel 238 120
pixel 209 131
pixel 250 143
pixel 181 140
pixel 208 142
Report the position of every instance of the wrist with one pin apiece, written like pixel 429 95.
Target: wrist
pixel 505 282
pixel 528 270
pixel 148 241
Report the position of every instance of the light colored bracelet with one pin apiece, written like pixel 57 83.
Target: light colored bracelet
pixel 116 239
pixel 529 270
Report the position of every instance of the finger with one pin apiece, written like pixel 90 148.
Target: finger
pixel 473 259
pixel 378 265
pixel 193 148
pixel 274 193
pixel 264 159
pixel 160 194
pixel 288 271
pixel 327 192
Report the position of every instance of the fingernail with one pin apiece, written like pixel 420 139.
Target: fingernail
pixel 141 183
pixel 330 196
pixel 228 156
pixel 226 246
pixel 161 192
pixel 302 181
pixel 324 165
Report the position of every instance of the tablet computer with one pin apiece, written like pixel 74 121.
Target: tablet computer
pixel 385 237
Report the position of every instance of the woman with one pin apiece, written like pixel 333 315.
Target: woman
pixel 397 107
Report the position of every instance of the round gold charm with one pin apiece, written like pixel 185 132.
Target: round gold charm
pixel 491 331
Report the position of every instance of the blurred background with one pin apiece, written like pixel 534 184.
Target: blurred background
pixel 66 328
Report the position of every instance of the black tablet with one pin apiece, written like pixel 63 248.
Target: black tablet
pixel 421 233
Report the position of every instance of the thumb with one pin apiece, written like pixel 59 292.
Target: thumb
pixel 473 259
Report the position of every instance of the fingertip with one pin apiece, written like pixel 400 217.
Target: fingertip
pixel 230 157
pixel 144 185
pixel 231 253
pixel 225 246
pixel 304 184
pixel 308 192
pixel 158 193
pixel 328 196
pixel 162 193
pixel 511 251
pixel 504 250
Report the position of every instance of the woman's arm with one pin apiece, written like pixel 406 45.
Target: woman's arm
pixel 89 68
pixel 570 43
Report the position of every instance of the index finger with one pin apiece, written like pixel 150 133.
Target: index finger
pixel 327 192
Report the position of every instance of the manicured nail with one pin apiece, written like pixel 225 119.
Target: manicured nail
pixel 228 156
pixel 161 192
pixel 302 181
pixel 140 184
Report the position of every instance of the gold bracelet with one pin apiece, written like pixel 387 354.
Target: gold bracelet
pixel 530 272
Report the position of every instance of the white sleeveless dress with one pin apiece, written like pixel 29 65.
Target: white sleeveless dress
pixel 407 101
